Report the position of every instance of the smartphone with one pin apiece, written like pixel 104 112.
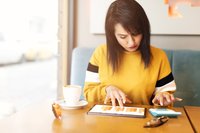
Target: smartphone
pixel 157 112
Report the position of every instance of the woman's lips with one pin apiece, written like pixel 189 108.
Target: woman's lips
pixel 133 47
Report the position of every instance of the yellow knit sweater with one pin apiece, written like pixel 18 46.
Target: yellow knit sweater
pixel 137 82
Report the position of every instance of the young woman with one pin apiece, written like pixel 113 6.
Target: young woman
pixel 128 69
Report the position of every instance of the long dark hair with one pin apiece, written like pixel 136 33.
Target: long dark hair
pixel 133 18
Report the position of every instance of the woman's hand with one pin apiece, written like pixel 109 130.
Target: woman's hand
pixel 164 99
pixel 113 94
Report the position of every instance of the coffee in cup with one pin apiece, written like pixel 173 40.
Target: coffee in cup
pixel 71 94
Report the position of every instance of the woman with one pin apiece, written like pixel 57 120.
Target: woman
pixel 128 69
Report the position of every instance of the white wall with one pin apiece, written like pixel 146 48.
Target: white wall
pixel 86 39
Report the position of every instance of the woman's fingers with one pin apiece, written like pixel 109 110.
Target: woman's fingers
pixel 161 100
pixel 178 99
pixel 122 96
pixel 128 100
pixel 167 97
pixel 119 99
pixel 106 99
pixel 164 99
pixel 114 94
pixel 154 101
pixel 112 99
pixel 172 97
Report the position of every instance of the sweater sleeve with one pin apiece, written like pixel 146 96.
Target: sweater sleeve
pixel 165 80
pixel 94 90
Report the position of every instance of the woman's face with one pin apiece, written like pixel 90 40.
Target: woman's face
pixel 127 40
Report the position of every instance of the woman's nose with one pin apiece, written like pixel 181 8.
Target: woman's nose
pixel 130 41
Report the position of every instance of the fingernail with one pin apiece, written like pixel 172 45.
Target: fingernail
pixel 179 99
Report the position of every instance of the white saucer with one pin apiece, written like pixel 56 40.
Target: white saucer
pixel 64 105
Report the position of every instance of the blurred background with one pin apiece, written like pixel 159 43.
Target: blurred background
pixel 28 51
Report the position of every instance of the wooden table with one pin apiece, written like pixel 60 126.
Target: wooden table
pixel 40 119
pixel 194 116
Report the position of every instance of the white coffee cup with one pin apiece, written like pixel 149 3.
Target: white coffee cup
pixel 71 94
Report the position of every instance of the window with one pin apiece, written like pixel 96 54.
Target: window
pixel 28 45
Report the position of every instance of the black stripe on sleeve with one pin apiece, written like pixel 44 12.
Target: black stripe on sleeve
pixel 93 68
pixel 165 80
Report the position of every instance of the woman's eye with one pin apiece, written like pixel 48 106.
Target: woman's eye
pixel 122 37
pixel 135 34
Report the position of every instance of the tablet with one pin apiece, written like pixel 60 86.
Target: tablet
pixel 109 110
